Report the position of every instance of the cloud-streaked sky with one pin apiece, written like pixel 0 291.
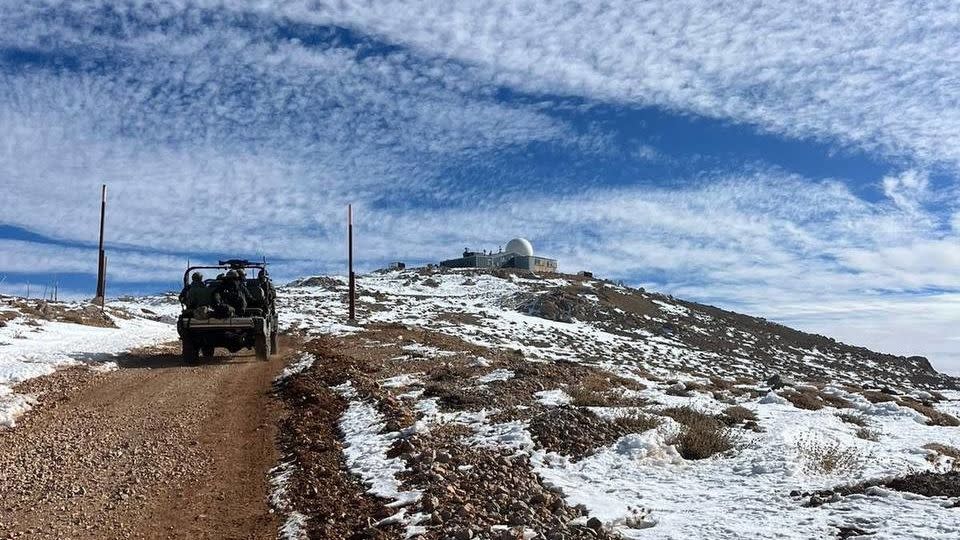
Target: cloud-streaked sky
pixel 794 160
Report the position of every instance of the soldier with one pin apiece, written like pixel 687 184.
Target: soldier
pixel 244 288
pixel 230 298
pixel 268 291
pixel 196 294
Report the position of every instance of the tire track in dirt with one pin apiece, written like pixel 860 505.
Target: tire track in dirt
pixel 155 449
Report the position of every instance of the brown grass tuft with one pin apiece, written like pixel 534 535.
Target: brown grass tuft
pixel 943 450
pixel 934 417
pixel 703 438
pixel 738 414
pixel 851 418
pixel 686 415
pixel 835 401
pixel 828 457
pixel 873 396
pixel 598 390
pixel 805 399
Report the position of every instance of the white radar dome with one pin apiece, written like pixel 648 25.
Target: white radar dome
pixel 520 246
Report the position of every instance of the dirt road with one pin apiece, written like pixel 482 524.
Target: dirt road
pixel 155 449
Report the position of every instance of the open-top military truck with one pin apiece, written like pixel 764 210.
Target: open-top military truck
pixel 215 316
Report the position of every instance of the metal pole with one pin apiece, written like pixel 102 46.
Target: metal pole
pixel 102 260
pixel 103 299
pixel 351 278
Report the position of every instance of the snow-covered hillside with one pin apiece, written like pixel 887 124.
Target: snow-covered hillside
pixel 37 337
pixel 570 317
pixel 648 417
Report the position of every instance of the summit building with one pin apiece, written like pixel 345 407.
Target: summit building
pixel 517 254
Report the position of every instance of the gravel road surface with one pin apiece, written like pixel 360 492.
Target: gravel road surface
pixel 154 449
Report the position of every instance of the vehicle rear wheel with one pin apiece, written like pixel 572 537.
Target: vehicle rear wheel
pixel 261 346
pixel 190 351
pixel 209 351
pixel 274 347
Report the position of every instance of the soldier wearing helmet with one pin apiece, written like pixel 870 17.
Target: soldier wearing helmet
pixel 230 298
pixel 196 294
pixel 270 294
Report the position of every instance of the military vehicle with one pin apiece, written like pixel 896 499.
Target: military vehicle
pixel 232 310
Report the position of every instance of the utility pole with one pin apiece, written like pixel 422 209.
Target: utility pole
pixel 103 299
pixel 351 278
pixel 102 257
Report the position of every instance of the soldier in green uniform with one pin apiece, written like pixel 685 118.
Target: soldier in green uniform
pixel 270 294
pixel 230 298
pixel 197 294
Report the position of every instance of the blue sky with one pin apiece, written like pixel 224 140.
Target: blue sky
pixel 796 161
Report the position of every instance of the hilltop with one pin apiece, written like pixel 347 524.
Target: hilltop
pixel 566 317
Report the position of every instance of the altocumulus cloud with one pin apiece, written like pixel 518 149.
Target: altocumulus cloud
pixel 253 124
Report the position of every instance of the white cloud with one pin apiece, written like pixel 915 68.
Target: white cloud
pixel 908 191
pixel 870 73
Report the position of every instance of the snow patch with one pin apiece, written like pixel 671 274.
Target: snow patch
pixel 32 351
pixel 553 398
pixel 365 451
pixel 302 363
pixel 496 375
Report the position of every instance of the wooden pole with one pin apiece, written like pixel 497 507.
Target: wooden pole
pixel 102 258
pixel 351 278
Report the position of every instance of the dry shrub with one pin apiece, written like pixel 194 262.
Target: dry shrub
pixel 851 418
pixel 702 435
pixel 703 438
pixel 828 457
pixel 596 390
pixel 684 389
pixel 686 415
pixel 868 434
pixel 635 423
pixel 835 401
pixel 934 417
pixel 583 397
pixel 943 450
pixel 874 396
pixel 719 384
pixel 738 414
pixel 805 399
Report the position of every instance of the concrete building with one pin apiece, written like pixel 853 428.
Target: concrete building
pixel 517 254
